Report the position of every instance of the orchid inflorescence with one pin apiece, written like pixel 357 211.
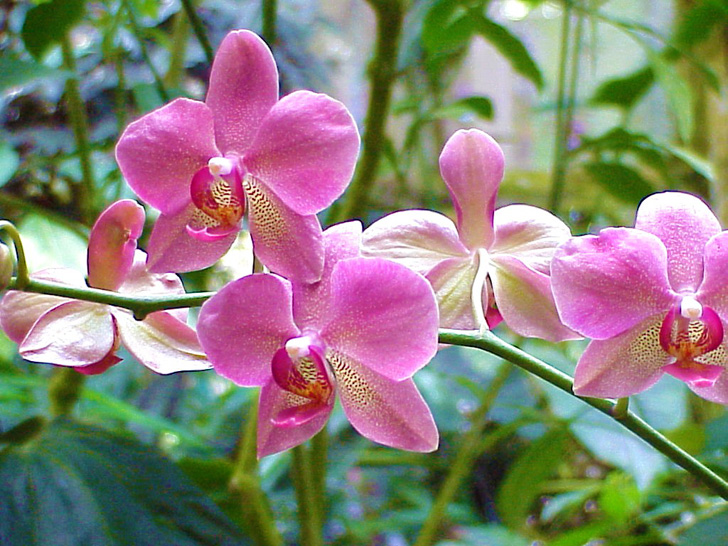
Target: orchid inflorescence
pixel 349 313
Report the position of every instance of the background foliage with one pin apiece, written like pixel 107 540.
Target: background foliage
pixel 597 104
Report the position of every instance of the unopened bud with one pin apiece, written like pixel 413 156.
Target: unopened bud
pixel 6 266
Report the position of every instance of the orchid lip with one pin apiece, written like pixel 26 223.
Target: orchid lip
pixel 217 193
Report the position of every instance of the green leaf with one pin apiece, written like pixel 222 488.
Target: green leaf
pixel 625 92
pixel 620 498
pixel 16 72
pixel 700 20
pixel 9 162
pixel 50 244
pixel 621 181
pixel 712 531
pixel 480 106
pixel 76 484
pixel 677 91
pixel 520 488
pixel 510 47
pixel 446 27
pixel 46 24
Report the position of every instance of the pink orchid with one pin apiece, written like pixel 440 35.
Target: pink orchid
pixel 492 266
pixel 363 330
pixel 200 162
pixel 653 298
pixel 86 335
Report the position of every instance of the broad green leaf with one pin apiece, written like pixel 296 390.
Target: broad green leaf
pixel 16 72
pixel 9 161
pixel 480 106
pixel 620 498
pixel 701 166
pixel 46 24
pixel 621 181
pixel 489 535
pixel 712 531
pixel 626 91
pixel 677 91
pixel 510 47
pixel 699 21
pixel 520 488
pixel 49 244
pixel 76 484
pixel 446 27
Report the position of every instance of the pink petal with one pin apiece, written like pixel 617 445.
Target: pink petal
pixel 172 248
pixel 684 224
pixel 524 299
pixel 305 151
pixel 383 315
pixel 244 324
pixel 112 243
pixel 19 310
pixel 272 438
pixel 311 300
pixel 286 242
pixel 713 291
pixel 528 233
pixel 388 412
pixel 606 284
pixel 452 281
pixel 159 153
pixel 418 239
pixel 472 163
pixel 243 88
pixel 161 342
pixel 623 365
pixel 76 333
pixel 718 392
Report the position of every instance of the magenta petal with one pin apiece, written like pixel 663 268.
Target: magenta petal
pixel 311 300
pixel 713 291
pixel 389 412
pixel 624 365
pixel 243 88
pixel 244 324
pixel 305 151
pixel 284 241
pixel 383 315
pixel 705 376
pixel 452 280
pixel 418 239
pixel 273 438
pixel 684 224
pixel 171 248
pixel 718 392
pixel 140 281
pixel 19 310
pixel 161 342
pixel 606 284
pixel 472 163
pixel 76 333
pixel 525 301
pixel 112 243
pixel 159 153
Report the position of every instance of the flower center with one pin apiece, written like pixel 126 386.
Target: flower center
pixel 217 193
pixel 689 333
pixel 300 368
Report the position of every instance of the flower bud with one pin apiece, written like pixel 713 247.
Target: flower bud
pixel 6 266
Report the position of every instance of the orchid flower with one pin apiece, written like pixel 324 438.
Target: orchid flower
pixel 362 331
pixel 494 264
pixel 86 335
pixel 653 299
pixel 198 163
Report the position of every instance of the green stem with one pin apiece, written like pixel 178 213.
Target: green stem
pixel 199 29
pixel 245 481
pixel 309 514
pixel 319 457
pixel 382 72
pixel 470 449
pixel 64 390
pixel 270 11
pixel 492 344
pixel 176 67
pixel 79 122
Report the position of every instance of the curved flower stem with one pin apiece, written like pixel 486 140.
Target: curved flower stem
pixel 382 72
pixel 492 344
pixel 471 447
pixel 199 29
pixel 79 122
pixel 245 481
pixel 309 512
pixel 22 279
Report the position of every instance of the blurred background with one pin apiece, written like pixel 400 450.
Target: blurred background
pixel 596 104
